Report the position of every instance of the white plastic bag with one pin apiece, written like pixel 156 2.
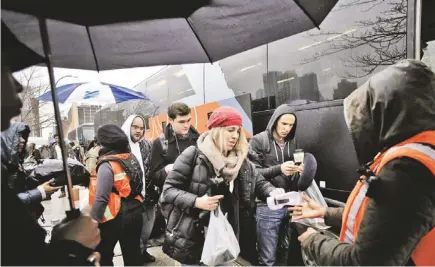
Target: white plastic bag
pixel 314 193
pixel 221 245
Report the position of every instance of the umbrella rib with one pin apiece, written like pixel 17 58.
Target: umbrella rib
pixel 93 48
pixel 307 14
pixel 199 40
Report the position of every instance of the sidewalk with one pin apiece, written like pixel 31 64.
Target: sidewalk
pixel 162 259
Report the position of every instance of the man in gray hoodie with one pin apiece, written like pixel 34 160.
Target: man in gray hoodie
pixel 272 153
pixel 134 128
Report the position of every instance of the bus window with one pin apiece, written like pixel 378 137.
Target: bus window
pixel 428 33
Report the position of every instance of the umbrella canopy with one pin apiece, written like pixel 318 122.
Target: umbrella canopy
pixel 93 93
pixel 217 30
pixel 105 12
pixel 13 52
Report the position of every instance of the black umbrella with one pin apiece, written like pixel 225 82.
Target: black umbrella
pixel 14 52
pixel 217 30
pixel 97 38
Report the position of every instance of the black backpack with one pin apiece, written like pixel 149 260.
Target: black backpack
pixel 131 167
pixel 265 145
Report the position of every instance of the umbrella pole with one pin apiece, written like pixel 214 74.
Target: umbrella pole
pixel 73 212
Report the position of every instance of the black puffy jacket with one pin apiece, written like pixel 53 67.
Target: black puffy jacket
pixel 190 179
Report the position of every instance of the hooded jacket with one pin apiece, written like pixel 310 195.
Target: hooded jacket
pixel 142 151
pixel 392 106
pixel 11 157
pixel 161 158
pixel 11 141
pixel 268 157
pixel 11 162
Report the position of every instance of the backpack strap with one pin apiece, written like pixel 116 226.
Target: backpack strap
pixel 124 166
pixel 265 144
pixel 164 143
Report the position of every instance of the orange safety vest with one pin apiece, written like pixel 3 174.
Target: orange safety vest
pixel 357 202
pixel 121 182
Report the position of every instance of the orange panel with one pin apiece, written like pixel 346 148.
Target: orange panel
pixel 199 120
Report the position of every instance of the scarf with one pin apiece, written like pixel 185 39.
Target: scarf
pixel 227 167
pixel 182 136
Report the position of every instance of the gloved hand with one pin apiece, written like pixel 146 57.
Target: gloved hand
pixel 277 191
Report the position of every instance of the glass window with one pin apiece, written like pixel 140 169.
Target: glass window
pixel 171 84
pixel 236 75
pixel 88 132
pixel 428 33
pixel 330 63
pixel 86 113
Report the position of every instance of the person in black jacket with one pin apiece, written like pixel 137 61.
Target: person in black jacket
pixel 22 238
pixel 14 141
pixel 272 152
pixel 394 110
pixel 116 197
pixel 177 136
pixel 134 128
pixel 217 172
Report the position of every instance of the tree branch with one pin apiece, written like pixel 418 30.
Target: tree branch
pixel 385 36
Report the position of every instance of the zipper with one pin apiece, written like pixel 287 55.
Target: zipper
pixel 282 152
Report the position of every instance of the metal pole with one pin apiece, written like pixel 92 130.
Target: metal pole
pixel 418 7
pixel 73 213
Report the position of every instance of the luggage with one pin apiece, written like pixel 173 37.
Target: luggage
pixel 53 168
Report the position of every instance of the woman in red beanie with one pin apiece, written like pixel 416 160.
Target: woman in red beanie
pixel 217 172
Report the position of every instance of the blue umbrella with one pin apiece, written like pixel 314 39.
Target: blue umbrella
pixel 93 93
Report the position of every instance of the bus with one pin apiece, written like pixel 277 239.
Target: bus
pixel 83 134
pixel 314 70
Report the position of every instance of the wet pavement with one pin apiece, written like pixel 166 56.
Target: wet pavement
pixel 162 258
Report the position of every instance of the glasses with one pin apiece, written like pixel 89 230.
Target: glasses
pixel 136 128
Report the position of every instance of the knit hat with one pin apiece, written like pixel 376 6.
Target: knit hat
pixel 224 116
pixel 113 137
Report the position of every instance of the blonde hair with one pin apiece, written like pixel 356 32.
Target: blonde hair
pixel 218 137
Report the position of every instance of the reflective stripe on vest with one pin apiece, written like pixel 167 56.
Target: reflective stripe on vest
pixel 357 202
pixel 108 214
pixel 419 147
pixel 121 182
pixel 119 176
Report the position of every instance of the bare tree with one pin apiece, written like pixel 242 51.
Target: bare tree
pixel 32 89
pixel 384 36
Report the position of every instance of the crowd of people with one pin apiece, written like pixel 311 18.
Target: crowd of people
pixel 389 218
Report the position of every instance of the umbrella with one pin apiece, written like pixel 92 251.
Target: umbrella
pixel 217 30
pixel 14 52
pixel 93 93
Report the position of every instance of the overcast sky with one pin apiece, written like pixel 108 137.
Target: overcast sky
pixel 124 77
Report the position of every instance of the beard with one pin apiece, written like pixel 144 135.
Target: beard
pixel 134 138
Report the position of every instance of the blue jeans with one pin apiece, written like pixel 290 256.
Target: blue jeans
pixel 268 226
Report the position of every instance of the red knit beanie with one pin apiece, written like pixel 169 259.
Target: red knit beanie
pixel 224 116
